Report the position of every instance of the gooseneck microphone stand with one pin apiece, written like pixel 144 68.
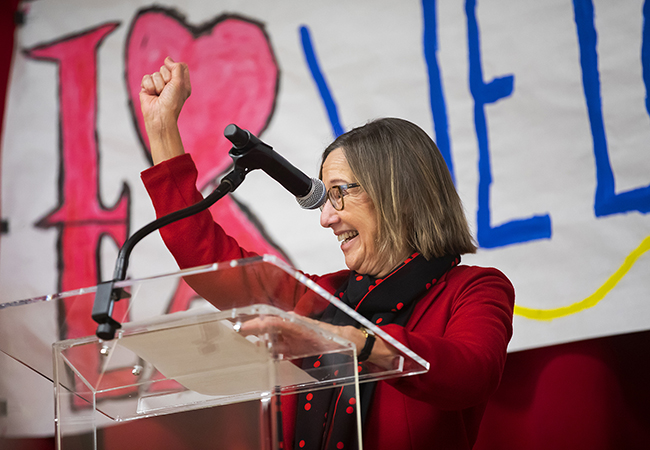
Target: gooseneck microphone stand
pixel 244 151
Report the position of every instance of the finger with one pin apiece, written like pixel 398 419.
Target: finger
pixel 147 85
pixel 180 71
pixel 158 82
pixel 262 325
pixel 166 74
pixel 170 64
pixel 250 327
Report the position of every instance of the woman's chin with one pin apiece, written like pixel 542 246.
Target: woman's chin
pixel 352 263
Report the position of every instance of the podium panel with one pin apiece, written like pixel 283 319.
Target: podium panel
pixel 252 333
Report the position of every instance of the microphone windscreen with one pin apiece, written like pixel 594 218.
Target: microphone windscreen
pixel 316 197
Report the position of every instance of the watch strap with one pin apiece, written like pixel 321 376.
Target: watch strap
pixel 367 348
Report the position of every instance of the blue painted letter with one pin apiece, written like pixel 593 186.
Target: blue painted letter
pixel 319 78
pixel 515 231
pixel 645 54
pixel 607 201
pixel 436 94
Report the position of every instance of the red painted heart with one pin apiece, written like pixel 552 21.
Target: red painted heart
pixel 234 79
pixel 233 72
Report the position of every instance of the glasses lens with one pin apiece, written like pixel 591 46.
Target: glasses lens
pixel 336 198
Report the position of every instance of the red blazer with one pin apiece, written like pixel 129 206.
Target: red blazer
pixel 461 326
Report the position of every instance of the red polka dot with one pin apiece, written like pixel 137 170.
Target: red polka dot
pixel 339 445
pixel 434 281
pixel 352 401
pixel 310 396
pixel 400 305
pixel 336 373
pixel 408 260
pixel 428 285
pixel 359 278
pixel 349 410
pixel 341 295
pixel 301 443
pixel 359 368
pixel 307 406
pixel 379 281
pixel 379 320
pixel 317 364
pixel 371 288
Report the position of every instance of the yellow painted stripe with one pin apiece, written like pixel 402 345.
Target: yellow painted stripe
pixel 593 299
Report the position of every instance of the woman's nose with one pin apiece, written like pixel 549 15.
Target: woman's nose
pixel 328 215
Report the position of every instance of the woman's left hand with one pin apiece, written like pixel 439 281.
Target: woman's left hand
pixel 296 339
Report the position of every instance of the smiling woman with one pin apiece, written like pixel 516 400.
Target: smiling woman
pixel 394 209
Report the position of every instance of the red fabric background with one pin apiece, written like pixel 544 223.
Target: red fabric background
pixel 592 394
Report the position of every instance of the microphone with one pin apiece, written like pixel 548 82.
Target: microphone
pixel 250 153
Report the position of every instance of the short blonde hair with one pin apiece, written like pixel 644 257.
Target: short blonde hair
pixel 407 179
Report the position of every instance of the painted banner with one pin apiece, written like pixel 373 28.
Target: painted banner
pixel 541 110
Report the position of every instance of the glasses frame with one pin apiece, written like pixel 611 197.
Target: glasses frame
pixel 343 191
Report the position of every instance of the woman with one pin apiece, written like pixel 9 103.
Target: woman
pixel 393 207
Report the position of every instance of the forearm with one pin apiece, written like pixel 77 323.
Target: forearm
pixel 164 139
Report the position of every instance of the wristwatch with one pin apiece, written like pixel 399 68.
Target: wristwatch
pixel 367 348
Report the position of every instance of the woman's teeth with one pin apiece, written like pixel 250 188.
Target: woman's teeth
pixel 347 236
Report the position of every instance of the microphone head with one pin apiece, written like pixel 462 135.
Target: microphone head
pixel 316 197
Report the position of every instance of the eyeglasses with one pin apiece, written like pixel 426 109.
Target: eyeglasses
pixel 335 195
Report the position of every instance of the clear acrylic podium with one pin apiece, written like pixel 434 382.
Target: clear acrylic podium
pixel 255 339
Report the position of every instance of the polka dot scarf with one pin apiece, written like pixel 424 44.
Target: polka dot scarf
pixel 326 419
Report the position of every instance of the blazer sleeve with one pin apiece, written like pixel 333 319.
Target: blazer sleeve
pixel 196 240
pixel 464 335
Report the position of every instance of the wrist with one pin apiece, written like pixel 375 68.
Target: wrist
pixel 368 344
pixel 165 143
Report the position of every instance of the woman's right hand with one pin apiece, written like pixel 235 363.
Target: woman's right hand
pixel 162 96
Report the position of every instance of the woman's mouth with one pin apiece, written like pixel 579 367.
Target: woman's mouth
pixel 347 236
